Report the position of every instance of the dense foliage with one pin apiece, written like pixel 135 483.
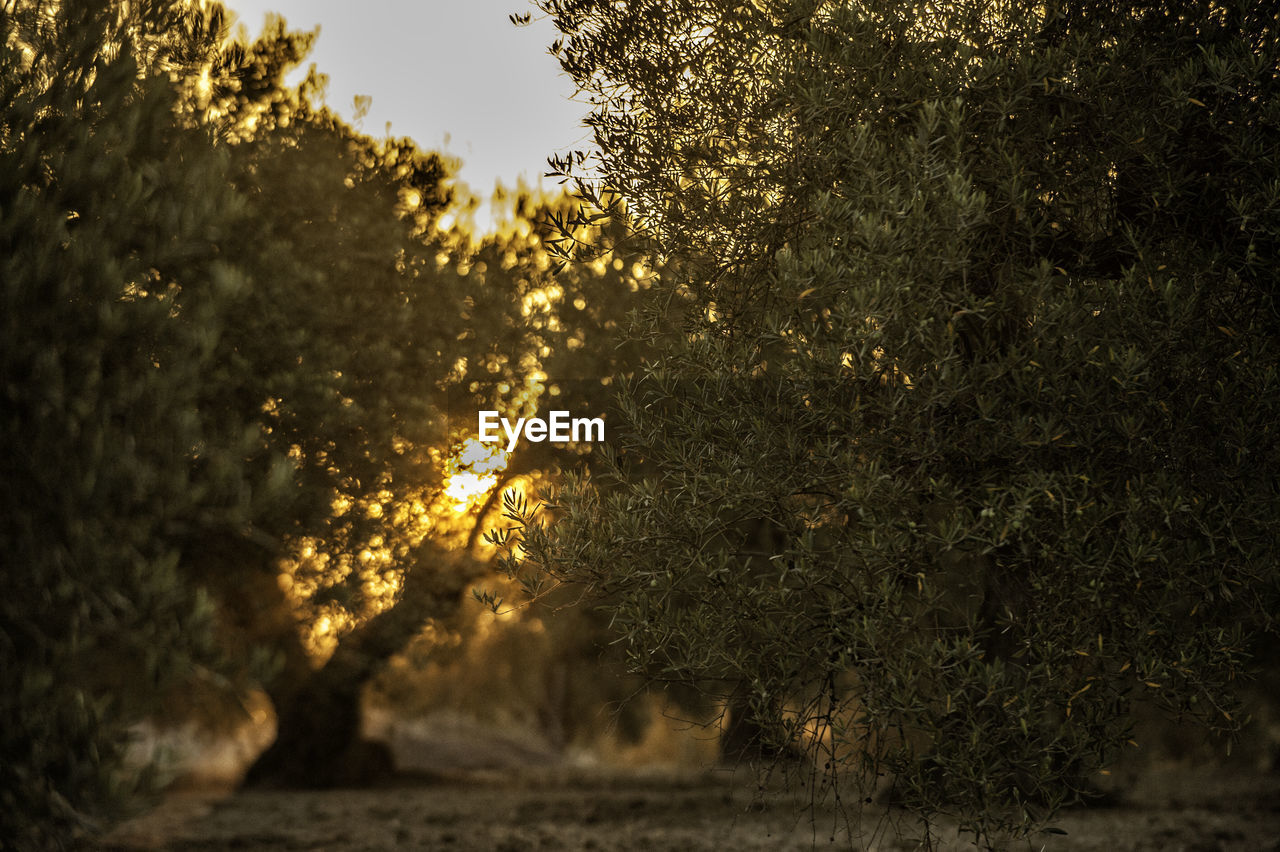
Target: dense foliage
pixel 115 299
pixel 967 439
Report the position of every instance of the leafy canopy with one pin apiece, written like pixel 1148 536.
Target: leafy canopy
pixel 965 438
pixel 115 298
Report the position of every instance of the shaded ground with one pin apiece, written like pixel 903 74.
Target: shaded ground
pixel 559 809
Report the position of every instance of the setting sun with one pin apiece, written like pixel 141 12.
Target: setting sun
pixel 473 472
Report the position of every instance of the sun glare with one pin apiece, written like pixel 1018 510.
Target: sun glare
pixel 473 472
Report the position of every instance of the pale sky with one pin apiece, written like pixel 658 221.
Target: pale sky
pixel 455 75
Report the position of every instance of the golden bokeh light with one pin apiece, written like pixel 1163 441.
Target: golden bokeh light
pixel 447 512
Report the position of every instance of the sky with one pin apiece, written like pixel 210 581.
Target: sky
pixel 455 75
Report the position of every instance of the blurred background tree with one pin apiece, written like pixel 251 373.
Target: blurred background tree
pixel 374 326
pixel 966 441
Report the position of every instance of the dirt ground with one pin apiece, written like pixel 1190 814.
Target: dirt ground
pixel 578 809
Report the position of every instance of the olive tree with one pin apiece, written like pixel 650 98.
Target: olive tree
pixel 371 336
pixel 115 297
pixel 964 438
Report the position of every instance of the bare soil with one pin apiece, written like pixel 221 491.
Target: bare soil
pixel 579 809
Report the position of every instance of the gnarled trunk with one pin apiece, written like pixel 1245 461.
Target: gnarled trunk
pixel 318 736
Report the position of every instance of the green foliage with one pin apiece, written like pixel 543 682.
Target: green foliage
pixel 114 301
pixel 966 438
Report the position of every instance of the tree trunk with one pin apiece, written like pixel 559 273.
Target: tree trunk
pixel 318 740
